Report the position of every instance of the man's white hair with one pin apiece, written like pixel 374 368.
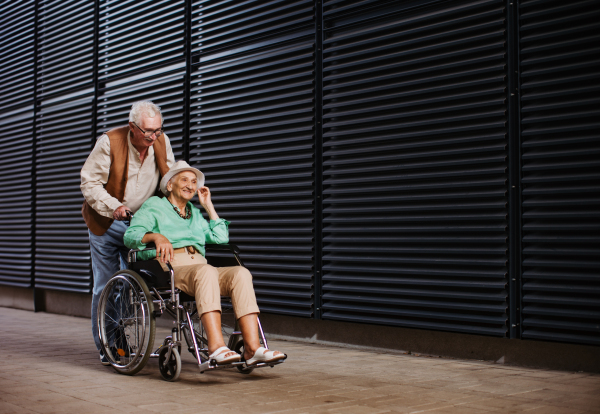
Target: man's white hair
pixel 143 109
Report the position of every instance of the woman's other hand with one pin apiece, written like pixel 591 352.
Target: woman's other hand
pixel 206 202
pixel 204 197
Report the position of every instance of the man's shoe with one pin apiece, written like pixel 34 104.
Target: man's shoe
pixel 103 359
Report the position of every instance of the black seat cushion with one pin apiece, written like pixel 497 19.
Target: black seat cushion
pixel 152 273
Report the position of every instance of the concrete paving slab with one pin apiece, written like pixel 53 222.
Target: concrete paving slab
pixel 48 364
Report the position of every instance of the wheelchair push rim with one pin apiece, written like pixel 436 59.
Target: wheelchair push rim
pixel 126 322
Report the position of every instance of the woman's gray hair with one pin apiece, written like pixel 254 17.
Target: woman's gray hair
pixel 143 109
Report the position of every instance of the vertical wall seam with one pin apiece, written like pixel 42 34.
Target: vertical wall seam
pixel 187 81
pixel 95 99
pixel 518 154
pixel 34 157
pixel 318 274
pixel 514 184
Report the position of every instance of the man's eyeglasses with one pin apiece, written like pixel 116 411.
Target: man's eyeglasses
pixel 148 134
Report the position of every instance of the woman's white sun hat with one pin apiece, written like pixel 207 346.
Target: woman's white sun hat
pixel 178 167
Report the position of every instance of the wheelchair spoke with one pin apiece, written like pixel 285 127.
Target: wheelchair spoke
pixel 111 318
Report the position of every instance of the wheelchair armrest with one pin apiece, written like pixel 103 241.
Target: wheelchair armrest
pixel 149 246
pixel 222 247
pixel 132 253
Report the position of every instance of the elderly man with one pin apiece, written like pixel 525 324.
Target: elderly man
pixel 121 172
pixel 179 232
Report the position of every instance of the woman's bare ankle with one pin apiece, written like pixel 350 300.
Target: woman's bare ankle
pixel 249 352
pixel 213 349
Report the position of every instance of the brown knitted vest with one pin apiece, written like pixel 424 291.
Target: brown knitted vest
pixel 117 175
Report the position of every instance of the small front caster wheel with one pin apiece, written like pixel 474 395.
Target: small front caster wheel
pixel 169 368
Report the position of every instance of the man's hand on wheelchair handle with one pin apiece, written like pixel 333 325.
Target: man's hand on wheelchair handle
pixel 121 213
pixel 164 248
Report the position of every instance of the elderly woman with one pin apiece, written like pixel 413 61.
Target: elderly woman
pixel 179 232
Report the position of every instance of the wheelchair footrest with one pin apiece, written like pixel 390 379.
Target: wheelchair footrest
pixel 211 365
pixel 208 365
pixel 266 364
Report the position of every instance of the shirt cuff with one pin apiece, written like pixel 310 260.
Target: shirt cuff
pixel 141 244
pixel 215 223
pixel 105 213
pixel 112 204
pixel 133 239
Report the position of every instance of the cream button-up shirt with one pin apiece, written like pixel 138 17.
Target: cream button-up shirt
pixel 142 178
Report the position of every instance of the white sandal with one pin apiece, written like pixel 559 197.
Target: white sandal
pixel 264 355
pixel 219 356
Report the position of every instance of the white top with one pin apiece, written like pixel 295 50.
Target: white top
pixel 142 179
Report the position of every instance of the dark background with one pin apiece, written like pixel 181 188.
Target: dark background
pixel 425 164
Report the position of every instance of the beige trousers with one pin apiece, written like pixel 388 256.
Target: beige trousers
pixel 207 284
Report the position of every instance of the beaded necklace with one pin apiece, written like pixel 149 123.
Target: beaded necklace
pixel 188 211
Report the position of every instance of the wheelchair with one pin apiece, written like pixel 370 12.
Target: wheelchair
pixel 133 298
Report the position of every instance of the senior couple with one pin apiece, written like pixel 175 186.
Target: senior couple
pixel 122 171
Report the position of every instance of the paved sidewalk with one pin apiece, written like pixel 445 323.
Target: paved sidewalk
pixel 48 364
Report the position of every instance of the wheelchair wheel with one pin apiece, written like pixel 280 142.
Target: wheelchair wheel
pixel 126 322
pixel 171 368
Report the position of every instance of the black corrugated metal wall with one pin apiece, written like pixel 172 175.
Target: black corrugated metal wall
pixel 365 151
pixel 560 130
pixel 251 132
pixel 414 165
pixel 64 114
pixel 17 77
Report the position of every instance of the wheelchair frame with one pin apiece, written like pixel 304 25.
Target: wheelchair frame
pixel 137 298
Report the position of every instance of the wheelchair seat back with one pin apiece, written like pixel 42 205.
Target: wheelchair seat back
pixel 155 277
pixel 219 259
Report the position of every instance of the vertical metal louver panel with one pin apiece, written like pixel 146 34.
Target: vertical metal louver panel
pixel 62 253
pixel 252 136
pixel 17 30
pixel 560 136
pixel 16 213
pixel 165 90
pixel 414 166
pixel 139 35
pixel 218 24
pixel 65 46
